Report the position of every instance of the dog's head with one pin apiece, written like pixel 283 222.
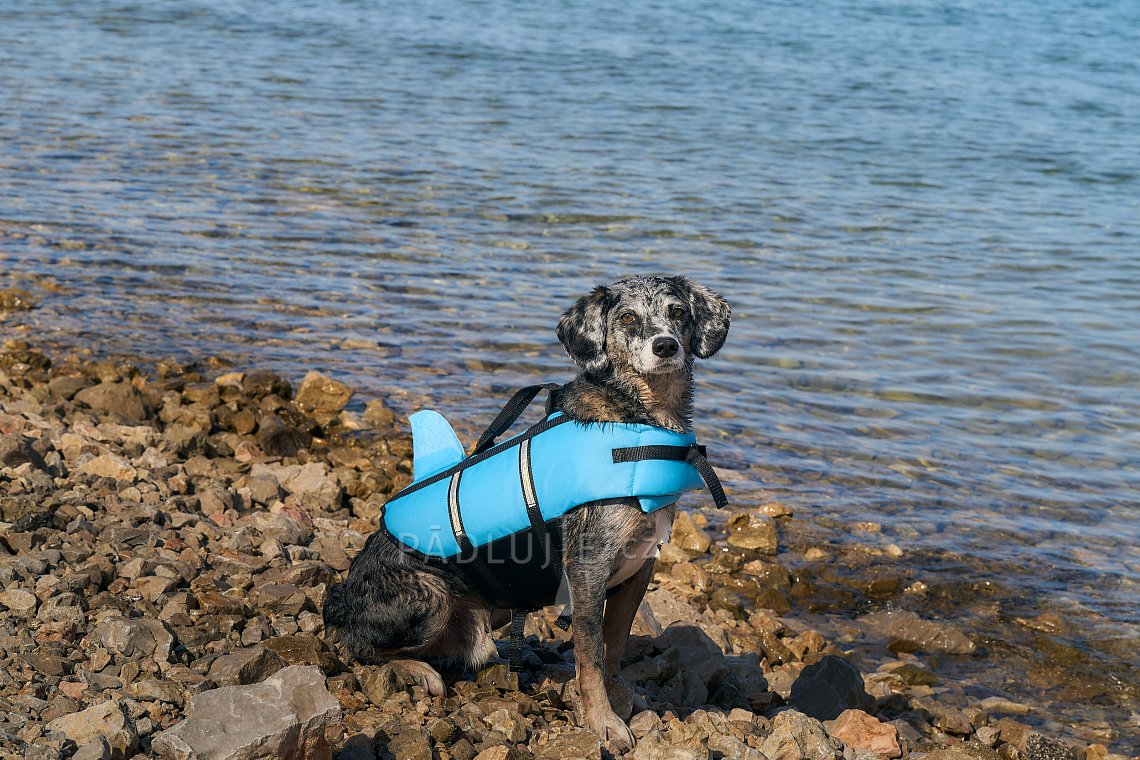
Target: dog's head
pixel 650 325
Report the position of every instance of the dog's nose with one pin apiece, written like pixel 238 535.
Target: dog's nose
pixel 665 347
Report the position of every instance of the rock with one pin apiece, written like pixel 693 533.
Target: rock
pixel 109 466
pixel 861 731
pixel 305 649
pixel 119 399
pixel 498 676
pixel 245 666
pixel 1037 747
pixel 566 743
pixel 134 638
pixel 20 601
pixel 16 299
pixel 796 736
pixel 379 415
pixel 378 683
pixel 687 536
pixel 16 450
pixel 289 715
pixel 656 747
pixel 922 635
pixel 509 723
pixel 749 531
pixel 280 439
pixel 109 720
pixel 322 395
pixel 828 687
pixel 96 749
pixel 66 386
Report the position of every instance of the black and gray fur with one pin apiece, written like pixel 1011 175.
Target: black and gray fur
pixel 635 341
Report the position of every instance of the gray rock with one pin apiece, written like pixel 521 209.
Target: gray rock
pixel 134 638
pixel 96 749
pixel 109 720
pixel 120 400
pixel 827 688
pixel 923 635
pixel 289 715
pixel 796 736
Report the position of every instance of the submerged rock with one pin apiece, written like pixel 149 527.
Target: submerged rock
pixel 922 635
pixel 289 716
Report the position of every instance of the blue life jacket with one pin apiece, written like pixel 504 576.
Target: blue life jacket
pixel 497 512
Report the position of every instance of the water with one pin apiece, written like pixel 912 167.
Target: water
pixel 925 215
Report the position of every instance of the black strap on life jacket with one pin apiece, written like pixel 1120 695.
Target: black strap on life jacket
pixel 518 403
pixel 694 454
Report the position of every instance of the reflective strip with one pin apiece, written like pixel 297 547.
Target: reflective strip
pixel 453 513
pixel 527 476
pixel 533 512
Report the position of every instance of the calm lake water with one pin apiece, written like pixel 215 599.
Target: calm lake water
pixel 926 215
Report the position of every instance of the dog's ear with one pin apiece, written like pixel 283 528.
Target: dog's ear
pixel 711 316
pixel 582 330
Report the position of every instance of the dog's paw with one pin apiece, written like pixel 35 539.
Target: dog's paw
pixel 612 730
pixel 423 674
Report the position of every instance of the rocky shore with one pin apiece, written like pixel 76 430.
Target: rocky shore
pixel 167 538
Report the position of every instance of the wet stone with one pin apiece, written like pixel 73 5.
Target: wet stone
pixel 320 394
pixel 749 531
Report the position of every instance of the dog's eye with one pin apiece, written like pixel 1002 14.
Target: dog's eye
pixel 628 318
pixel 677 312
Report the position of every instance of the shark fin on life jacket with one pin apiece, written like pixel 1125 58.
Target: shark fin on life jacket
pixel 435 446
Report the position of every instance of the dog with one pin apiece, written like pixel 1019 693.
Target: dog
pixel 635 342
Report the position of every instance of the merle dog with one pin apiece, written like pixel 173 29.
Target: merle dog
pixel 635 341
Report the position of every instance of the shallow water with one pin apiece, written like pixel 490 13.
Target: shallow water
pixel 926 216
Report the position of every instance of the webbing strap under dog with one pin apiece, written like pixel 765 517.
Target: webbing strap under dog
pixel 693 454
pixel 518 624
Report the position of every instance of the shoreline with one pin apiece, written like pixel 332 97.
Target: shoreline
pixel 214 507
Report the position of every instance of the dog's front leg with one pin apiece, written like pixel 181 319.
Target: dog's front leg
pixel 588 561
pixel 621 609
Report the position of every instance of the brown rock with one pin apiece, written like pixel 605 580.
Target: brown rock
pixel 321 395
pixel 687 536
pixel 109 720
pixel 16 299
pixel 796 736
pixel 109 466
pixel 749 531
pixel 861 731
pixel 245 666
pixel 119 399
